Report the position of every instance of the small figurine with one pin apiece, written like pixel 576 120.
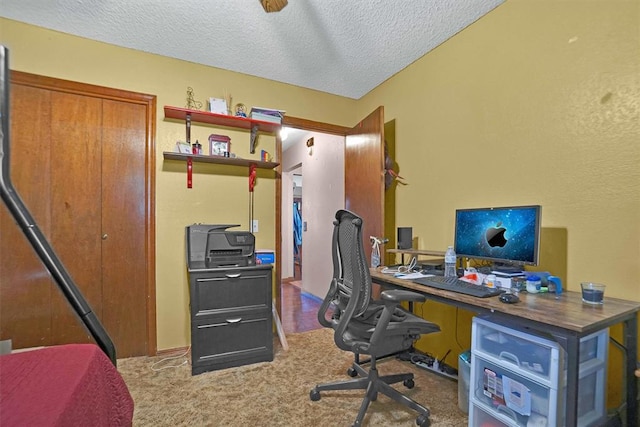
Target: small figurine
pixel 241 110
pixel 192 104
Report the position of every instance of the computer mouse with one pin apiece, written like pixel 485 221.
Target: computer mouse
pixel 509 298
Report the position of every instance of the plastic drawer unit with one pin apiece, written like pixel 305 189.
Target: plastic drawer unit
pixel 518 377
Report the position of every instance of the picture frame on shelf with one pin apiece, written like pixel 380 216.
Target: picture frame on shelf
pixel 183 147
pixel 219 145
pixel 218 105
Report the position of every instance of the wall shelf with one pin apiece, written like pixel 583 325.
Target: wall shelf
pixel 233 161
pixel 225 120
pixel 219 119
pixel 245 123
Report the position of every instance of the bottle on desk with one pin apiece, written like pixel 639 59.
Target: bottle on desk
pixel 450 263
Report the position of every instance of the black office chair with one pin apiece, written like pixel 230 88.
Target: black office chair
pixel 364 326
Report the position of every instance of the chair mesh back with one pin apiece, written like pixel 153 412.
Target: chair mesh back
pixel 350 264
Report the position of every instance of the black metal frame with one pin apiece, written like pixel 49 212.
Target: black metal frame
pixel 38 241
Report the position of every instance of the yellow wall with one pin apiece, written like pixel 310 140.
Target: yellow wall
pixel 536 103
pixel 221 197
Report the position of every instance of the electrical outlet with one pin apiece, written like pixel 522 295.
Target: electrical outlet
pixel 254 226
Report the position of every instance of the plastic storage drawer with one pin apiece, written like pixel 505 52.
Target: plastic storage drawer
pixel 481 418
pixel 535 357
pixel 512 398
pixel 594 347
pixel 592 382
pixel 487 341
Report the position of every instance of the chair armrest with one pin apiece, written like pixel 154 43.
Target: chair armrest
pixel 399 295
pixel 391 299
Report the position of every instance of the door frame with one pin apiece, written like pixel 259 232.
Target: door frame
pixel 311 126
pixel 149 101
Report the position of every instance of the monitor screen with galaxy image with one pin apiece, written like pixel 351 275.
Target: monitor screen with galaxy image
pixel 507 236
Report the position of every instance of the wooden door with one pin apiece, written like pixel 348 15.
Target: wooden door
pixel 364 174
pixel 26 292
pixel 124 268
pixel 82 160
pixel 75 185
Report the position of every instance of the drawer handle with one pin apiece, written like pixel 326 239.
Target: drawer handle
pixel 238 320
pixel 233 276
pixel 510 357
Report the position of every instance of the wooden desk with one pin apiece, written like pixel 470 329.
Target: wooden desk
pixel 566 318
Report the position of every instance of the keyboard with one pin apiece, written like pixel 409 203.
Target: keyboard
pixel 454 284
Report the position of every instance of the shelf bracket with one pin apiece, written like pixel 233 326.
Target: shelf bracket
pixel 252 177
pixel 189 172
pixel 252 141
pixel 188 124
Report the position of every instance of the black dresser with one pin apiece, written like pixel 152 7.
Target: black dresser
pixel 231 317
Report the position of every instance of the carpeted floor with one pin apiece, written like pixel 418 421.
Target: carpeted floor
pixel 277 393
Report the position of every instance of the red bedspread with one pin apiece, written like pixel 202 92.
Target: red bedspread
pixel 66 385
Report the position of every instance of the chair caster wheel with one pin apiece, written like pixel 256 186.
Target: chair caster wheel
pixel 352 372
pixel 314 395
pixel 409 384
pixel 423 421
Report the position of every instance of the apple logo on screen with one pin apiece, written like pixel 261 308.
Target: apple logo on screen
pixel 495 236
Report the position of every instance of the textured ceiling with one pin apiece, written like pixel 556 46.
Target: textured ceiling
pixel 337 46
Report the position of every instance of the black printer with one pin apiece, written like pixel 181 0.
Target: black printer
pixel 212 245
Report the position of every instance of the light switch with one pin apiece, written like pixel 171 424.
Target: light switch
pixel 254 226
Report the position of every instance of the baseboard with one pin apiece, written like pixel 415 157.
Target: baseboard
pixel 172 351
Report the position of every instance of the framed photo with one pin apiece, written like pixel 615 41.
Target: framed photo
pixel 219 145
pixel 183 147
pixel 218 106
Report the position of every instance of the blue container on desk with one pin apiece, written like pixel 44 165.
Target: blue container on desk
pixel 547 280
pixel 555 284
pixel 265 257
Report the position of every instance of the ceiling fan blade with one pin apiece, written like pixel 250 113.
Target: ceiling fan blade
pixel 273 5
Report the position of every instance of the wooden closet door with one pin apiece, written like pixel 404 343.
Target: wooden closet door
pixel 76 208
pixel 82 161
pixel 124 265
pixel 25 292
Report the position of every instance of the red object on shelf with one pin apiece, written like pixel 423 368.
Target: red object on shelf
pixel 189 172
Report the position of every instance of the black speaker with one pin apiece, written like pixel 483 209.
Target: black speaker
pixel 405 238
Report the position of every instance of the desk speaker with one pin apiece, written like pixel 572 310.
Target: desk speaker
pixel 405 238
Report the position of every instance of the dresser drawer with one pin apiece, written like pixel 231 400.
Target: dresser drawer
pixel 532 356
pixel 230 289
pixel 225 341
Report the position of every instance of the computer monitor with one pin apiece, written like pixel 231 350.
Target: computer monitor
pixel 508 236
